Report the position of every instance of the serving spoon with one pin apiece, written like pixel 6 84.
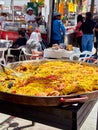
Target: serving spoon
pixel 4 67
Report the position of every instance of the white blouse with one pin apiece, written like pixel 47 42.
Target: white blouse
pixel 36 36
pixel 29 17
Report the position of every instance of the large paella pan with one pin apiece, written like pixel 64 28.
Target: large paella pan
pixel 45 83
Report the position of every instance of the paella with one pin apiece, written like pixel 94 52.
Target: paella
pixel 50 78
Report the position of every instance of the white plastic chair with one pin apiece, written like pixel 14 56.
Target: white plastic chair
pixel 2 55
pixel 26 55
pixel 9 55
pixel 4 45
pixel 81 56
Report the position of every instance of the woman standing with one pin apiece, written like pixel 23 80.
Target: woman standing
pixel 78 32
pixel 88 36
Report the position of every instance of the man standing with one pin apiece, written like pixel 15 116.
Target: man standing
pixel 58 30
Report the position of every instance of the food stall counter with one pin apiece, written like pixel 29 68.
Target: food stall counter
pixel 8 35
pixel 9 30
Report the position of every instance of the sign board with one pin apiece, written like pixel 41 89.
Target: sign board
pixel 61 8
pixel 71 7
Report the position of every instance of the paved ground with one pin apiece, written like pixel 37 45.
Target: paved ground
pixel 8 122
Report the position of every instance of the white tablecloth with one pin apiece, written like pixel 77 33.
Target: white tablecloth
pixel 60 53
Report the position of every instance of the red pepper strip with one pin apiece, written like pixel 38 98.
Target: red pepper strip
pixel 14 92
pixel 74 100
pixel 52 77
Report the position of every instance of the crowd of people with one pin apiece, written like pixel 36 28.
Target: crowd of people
pixel 85 31
pixel 29 36
pixel 33 44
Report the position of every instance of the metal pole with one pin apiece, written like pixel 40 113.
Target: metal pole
pixel 12 7
pixel 50 20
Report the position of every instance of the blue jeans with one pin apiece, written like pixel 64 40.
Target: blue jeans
pixel 87 42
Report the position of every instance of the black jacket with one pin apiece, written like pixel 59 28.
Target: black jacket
pixel 88 26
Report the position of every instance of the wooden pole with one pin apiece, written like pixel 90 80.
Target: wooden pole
pixel 92 6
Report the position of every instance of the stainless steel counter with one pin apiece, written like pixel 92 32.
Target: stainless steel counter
pixel 70 38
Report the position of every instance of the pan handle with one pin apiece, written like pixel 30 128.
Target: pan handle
pixel 74 100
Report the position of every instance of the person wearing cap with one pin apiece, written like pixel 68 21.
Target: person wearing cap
pixel 58 29
pixel 30 17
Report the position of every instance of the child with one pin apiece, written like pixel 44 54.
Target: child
pixel 21 41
